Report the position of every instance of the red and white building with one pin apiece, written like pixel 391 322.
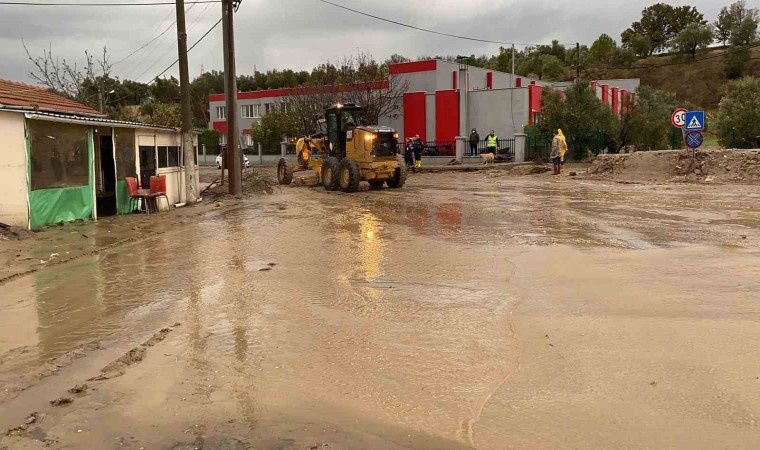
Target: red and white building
pixel 443 100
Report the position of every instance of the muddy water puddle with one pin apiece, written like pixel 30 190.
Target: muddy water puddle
pixel 391 314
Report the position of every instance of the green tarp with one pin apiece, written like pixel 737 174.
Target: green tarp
pixel 60 205
pixel 124 203
pixel 56 159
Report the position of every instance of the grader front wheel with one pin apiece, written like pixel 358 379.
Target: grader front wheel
pixel 330 174
pixel 284 172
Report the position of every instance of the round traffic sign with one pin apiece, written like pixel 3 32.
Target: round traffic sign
pixel 678 119
pixel 694 139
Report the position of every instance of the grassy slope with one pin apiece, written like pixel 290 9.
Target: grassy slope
pixel 701 82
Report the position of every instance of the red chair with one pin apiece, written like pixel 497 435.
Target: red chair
pixel 135 195
pixel 158 190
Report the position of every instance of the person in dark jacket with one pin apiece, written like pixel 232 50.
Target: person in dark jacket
pixel 474 141
pixel 417 147
pixel 409 153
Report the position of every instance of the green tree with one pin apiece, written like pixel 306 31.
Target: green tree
pixel 165 90
pixel 210 138
pixel 579 113
pixel 731 18
pixel 694 37
pixel 737 122
pixel 542 66
pixel 647 124
pixel 273 127
pixel 659 26
pixel 603 49
pixel 162 114
pixel 743 37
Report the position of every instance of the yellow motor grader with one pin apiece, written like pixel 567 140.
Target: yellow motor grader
pixel 348 154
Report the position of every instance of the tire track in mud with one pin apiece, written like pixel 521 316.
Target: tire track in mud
pixel 467 430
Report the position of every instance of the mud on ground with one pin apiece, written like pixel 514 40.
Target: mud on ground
pixel 702 166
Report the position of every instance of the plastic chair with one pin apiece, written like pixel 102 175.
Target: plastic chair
pixel 158 190
pixel 135 195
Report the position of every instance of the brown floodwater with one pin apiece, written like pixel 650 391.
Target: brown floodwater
pixel 465 310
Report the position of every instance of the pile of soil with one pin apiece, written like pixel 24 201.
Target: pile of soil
pixel 255 181
pixel 705 166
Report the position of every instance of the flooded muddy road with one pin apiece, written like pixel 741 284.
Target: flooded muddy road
pixel 464 311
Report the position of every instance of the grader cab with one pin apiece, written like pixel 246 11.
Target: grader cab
pixel 347 154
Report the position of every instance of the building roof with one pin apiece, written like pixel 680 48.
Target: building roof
pixel 14 95
pixel 89 120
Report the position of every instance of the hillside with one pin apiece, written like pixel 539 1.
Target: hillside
pixel 701 82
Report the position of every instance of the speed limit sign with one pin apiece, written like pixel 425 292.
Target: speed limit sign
pixel 679 118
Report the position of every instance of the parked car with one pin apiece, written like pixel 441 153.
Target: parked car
pixel 246 163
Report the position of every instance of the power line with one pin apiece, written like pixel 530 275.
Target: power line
pixel 102 4
pixel 383 19
pixel 172 45
pixel 146 44
pixel 191 47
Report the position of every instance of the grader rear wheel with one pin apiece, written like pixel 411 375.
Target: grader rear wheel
pixel 284 172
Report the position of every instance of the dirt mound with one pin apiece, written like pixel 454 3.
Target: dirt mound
pixel 706 166
pixel 255 181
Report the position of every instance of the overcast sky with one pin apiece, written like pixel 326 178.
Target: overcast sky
pixel 300 34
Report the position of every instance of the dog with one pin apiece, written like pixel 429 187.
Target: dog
pixel 488 158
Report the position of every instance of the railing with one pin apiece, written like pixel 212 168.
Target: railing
pixel 538 147
pixel 505 149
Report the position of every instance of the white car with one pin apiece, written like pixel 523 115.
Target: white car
pixel 246 163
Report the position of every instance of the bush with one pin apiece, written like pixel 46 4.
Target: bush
pixel 737 123
pixel 210 138
pixel 647 126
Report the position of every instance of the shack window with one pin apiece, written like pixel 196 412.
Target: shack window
pixel 59 155
pixel 168 156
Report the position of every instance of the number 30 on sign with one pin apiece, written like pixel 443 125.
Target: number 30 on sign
pixel 679 118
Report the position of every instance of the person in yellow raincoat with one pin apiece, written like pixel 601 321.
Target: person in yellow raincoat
pixel 564 147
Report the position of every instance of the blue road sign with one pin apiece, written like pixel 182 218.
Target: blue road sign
pixel 695 121
pixel 694 139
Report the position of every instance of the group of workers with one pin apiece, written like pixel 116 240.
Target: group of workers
pixel 415 147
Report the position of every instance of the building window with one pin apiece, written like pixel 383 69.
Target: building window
pixel 269 107
pixel 256 111
pixel 249 111
pixel 168 156
pixel 221 112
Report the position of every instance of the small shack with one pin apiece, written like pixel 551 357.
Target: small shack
pixel 62 161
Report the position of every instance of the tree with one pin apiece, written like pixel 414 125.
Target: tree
pixel 210 138
pixel 579 114
pixel 743 37
pixel 85 84
pixel 165 90
pixel 272 128
pixel 603 49
pixel 659 26
pixel 732 17
pixel 694 37
pixel 647 124
pixel 542 66
pixel 162 114
pixel 737 122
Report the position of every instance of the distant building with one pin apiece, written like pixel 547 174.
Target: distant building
pixel 62 161
pixel 443 99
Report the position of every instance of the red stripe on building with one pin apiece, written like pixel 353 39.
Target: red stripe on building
pixel 455 80
pixel 623 101
pixel 270 93
pixel 535 93
pixel 518 82
pixel 415 115
pixel 489 80
pixel 605 94
pixel 413 67
pixel 615 100
pixel 221 127
pixel 446 115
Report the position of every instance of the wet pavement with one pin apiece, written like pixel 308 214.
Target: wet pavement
pixel 466 310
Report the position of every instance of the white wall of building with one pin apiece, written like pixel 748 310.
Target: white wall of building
pixel 503 110
pixel 14 201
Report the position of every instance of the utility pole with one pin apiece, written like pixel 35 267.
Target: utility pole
pixel 188 150
pixel 513 66
pixel 578 66
pixel 234 156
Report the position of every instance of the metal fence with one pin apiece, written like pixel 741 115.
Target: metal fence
pixel 505 149
pixel 538 147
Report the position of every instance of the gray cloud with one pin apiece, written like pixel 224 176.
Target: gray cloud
pixel 300 34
